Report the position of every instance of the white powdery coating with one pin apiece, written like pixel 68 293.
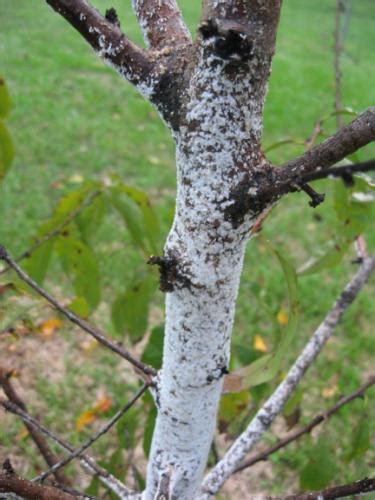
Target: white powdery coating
pixel 146 18
pixel 199 314
pixel 274 405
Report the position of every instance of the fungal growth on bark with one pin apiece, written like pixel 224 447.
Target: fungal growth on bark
pixel 210 92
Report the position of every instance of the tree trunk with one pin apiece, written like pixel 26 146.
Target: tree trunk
pixel 217 149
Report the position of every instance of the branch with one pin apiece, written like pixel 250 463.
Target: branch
pixel 78 452
pixel 56 231
pixel 106 38
pixel 275 403
pixel 89 464
pixel 364 486
pixel 344 142
pixel 162 23
pixel 93 331
pixel 36 436
pixel 10 482
pixel 344 171
pixel 318 419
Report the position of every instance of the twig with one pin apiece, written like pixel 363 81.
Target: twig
pixel 318 419
pixel 362 487
pixel 89 464
pixel 344 170
pixel 27 489
pixel 56 231
pixel 36 436
pixel 78 452
pixel 93 331
pixel 106 38
pixel 275 403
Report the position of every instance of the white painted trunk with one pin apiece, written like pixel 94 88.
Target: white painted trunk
pixel 208 253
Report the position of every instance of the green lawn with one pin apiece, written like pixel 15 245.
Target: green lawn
pixel 74 119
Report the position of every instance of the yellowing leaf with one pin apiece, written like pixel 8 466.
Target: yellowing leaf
pixel 102 404
pixel 49 326
pixel 259 344
pixel 329 392
pixel 86 418
pixel 282 318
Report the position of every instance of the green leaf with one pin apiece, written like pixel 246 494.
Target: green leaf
pixel 5 102
pixel 320 469
pixel 7 151
pixel 130 310
pixel 267 367
pixel 37 264
pixel 132 219
pixel 80 306
pixel 91 217
pixel 153 353
pixel 79 261
pixel 149 430
pixel 150 221
pixel 361 437
pixel 93 487
pixel 330 258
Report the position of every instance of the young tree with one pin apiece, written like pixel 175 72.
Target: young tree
pixel 210 92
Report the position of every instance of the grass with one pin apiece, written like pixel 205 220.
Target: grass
pixel 73 118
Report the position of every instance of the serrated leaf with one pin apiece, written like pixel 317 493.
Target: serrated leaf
pixel 130 310
pixel 80 263
pixel 7 151
pixel 149 430
pixel 320 469
pixel 153 353
pixel 5 102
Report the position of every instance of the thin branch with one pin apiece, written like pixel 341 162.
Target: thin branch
pixel 345 141
pixel 362 487
pixel 36 436
pixel 275 403
pixel 162 23
pixel 342 171
pixel 78 452
pixel 56 231
pixel 318 419
pixel 27 489
pixel 88 463
pixel 106 38
pixel 84 325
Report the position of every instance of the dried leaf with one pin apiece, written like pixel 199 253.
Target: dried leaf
pixel 48 327
pixel 86 418
pixel 330 391
pixel 102 404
